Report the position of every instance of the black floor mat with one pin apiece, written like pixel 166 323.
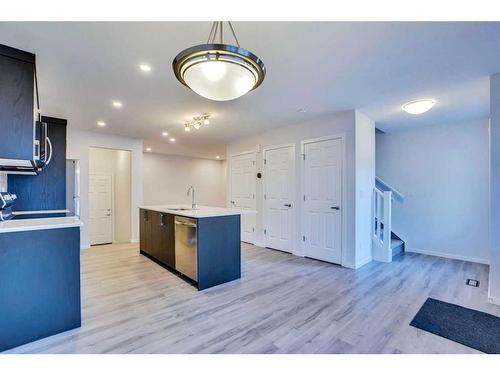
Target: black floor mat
pixel 475 329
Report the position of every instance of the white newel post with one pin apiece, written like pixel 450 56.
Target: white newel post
pixel 387 225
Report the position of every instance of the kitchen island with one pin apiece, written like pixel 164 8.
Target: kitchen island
pixel 202 244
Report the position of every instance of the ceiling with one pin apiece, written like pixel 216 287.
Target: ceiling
pixel 321 67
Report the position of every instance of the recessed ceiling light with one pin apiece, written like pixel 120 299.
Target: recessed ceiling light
pixel 172 139
pixel 417 107
pixel 217 157
pixel 302 110
pixel 164 134
pixel 145 67
pixel 148 149
pixel 101 123
pixel 117 104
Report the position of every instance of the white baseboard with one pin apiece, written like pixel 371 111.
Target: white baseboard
pixel 447 255
pixel 383 260
pixel 259 244
pixel 493 300
pixel 134 240
pixel 357 265
pixel 363 262
pixel 84 246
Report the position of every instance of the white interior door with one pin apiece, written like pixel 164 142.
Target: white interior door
pixel 101 209
pixel 243 192
pixel 279 193
pixel 322 200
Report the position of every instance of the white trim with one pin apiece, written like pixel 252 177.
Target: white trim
pixel 134 240
pixel 294 195
pixel 303 229
pixel 243 153
pixel 396 192
pixel 447 255
pixel 493 300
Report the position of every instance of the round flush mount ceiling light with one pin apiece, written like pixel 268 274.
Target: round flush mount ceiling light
pixel 417 107
pixel 145 68
pixel 101 123
pixel 219 71
pixel 117 104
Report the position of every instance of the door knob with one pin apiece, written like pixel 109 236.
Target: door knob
pixel 335 208
pixel 287 205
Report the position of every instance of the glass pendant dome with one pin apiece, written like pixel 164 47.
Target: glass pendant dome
pixel 219 72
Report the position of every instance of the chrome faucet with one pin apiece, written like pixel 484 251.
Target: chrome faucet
pixel 194 206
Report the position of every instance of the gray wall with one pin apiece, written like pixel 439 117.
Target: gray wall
pixel 443 171
pixel 166 179
pixel 495 188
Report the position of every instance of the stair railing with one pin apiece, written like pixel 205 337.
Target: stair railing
pixel 382 201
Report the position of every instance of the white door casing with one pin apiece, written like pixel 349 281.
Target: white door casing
pixel 322 199
pixel 279 197
pixel 243 186
pixel 101 208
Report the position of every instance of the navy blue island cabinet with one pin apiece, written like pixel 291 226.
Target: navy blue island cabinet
pixel 39 284
pixel 215 256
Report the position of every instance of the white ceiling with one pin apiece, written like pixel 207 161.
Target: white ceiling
pixel 322 67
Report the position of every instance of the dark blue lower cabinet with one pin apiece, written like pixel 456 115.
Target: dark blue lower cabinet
pixel 219 250
pixel 39 284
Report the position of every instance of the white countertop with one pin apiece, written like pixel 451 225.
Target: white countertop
pixel 200 212
pixel 21 225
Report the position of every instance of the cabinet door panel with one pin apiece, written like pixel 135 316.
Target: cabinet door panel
pixel 163 238
pixel 145 231
pixel 16 108
pixel 168 240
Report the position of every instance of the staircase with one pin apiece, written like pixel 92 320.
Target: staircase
pixel 397 245
pixel 386 243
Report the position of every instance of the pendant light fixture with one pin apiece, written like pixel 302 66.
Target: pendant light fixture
pixel 219 71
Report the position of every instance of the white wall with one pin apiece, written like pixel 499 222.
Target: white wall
pixel 116 163
pixel 494 289
pixel 342 123
pixel 167 178
pixel 78 147
pixel 443 172
pixel 365 182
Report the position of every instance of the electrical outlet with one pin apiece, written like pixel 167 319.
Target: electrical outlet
pixel 472 282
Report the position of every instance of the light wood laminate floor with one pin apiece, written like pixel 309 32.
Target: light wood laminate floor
pixel 282 304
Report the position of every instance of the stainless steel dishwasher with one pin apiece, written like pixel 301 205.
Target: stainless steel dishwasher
pixel 186 247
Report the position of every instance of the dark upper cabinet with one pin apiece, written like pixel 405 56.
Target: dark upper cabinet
pixel 17 70
pixel 47 190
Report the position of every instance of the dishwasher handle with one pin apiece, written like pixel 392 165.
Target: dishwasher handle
pixel 192 225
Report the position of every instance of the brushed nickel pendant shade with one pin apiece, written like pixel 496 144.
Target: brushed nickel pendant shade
pixel 219 71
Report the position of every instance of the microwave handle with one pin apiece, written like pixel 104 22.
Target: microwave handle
pixel 49 150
